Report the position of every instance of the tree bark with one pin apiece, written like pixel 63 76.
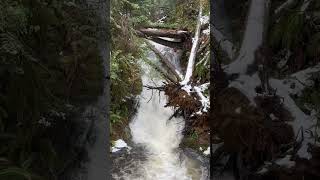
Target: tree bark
pixel 176 34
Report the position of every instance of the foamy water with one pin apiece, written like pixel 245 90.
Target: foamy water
pixel 160 137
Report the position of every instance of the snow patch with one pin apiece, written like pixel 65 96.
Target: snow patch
pixel 302 122
pixel 286 162
pixel 193 52
pixel 206 31
pixel 272 116
pixel 263 171
pixel 204 100
pixel 118 145
pixel 204 19
pixel 187 88
pixel 238 110
pixel 207 152
pixel 247 84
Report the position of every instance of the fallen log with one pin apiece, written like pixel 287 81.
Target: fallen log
pixel 176 34
pixel 253 37
pixel 160 88
pixel 165 61
pixel 194 49
pixel 178 45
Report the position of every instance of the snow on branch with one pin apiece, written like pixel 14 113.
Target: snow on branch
pixel 285 5
pixel 203 99
pixel 305 5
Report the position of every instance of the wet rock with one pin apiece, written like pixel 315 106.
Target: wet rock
pixel 194 155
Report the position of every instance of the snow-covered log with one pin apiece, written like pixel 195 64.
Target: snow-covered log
pixel 203 99
pixel 193 52
pixel 253 37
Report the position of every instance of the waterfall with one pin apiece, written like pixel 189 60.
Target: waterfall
pixel 160 136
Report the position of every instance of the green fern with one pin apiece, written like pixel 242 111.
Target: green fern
pixel 15 173
pixel 288 32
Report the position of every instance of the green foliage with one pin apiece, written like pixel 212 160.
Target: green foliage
pixel 296 31
pixel 310 95
pixel 310 100
pixel 48 58
pixel 17 174
pixel 194 136
pixel 126 51
pixel 313 47
pixel 186 14
pixel 125 83
pixel 202 68
pixel 288 32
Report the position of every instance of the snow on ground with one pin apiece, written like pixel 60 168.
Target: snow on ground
pixel 206 31
pixel 263 171
pixel 292 85
pixel 118 145
pixel 204 19
pixel 199 90
pixel 301 120
pixel 207 152
pixel 285 162
pixel 247 84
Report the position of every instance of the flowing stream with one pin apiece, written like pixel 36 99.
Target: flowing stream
pixel 155 153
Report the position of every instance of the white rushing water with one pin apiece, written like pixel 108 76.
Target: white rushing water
pixel 160 137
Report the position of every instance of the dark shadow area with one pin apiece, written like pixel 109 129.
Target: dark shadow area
pixel 53 89
pixel 265 73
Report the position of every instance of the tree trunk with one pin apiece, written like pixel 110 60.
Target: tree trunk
pixel 194 49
